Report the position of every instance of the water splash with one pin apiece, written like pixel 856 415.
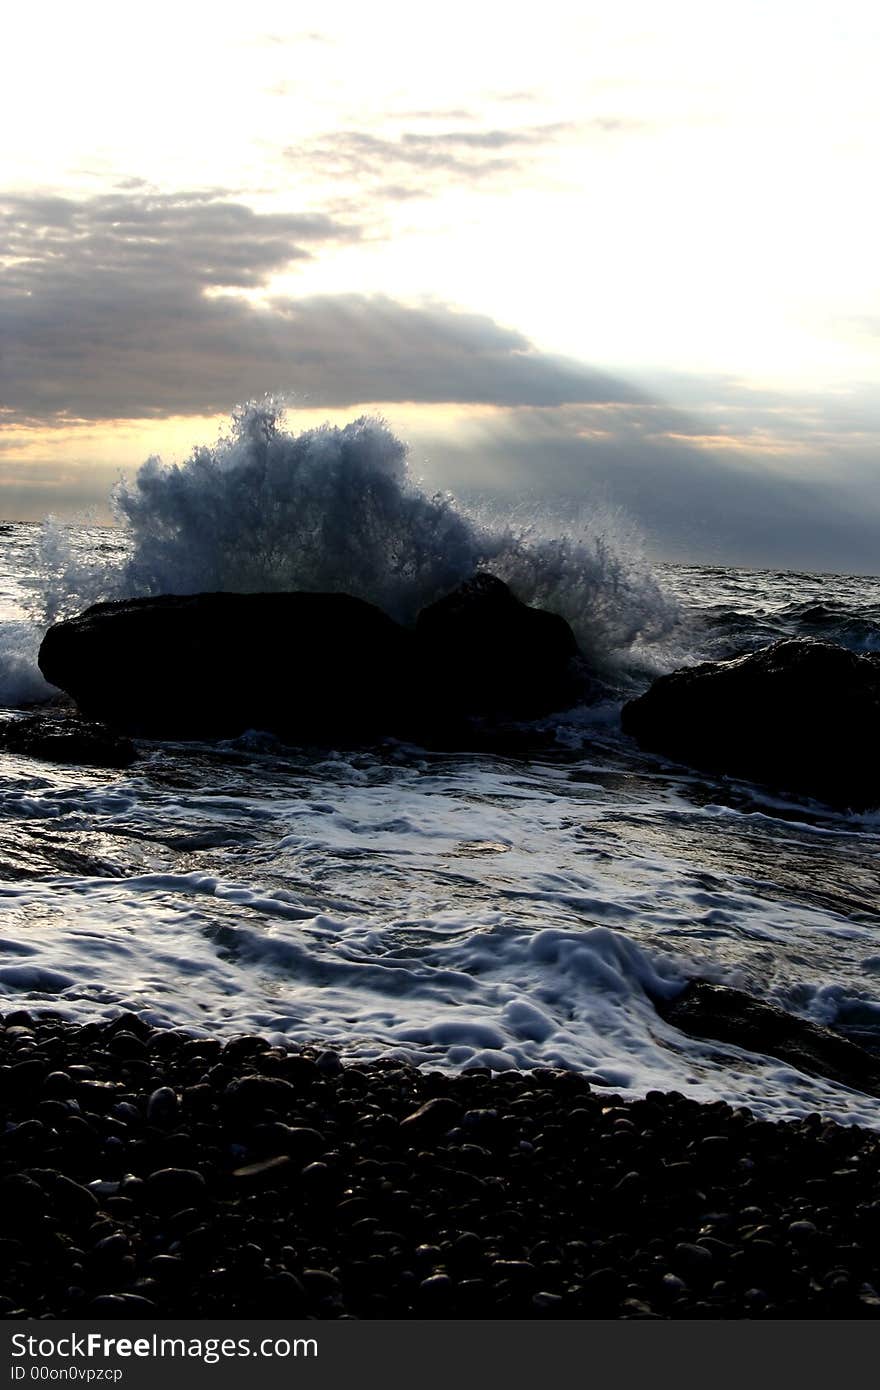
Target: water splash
pixel 330 509
pixel 336 509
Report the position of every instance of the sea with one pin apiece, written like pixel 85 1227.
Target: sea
pixel 455 909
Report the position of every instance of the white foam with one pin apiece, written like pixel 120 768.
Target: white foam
pixel 20 680
pixel 458 913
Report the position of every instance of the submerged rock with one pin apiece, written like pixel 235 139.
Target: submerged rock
pixel 802 714
pixel 63 738
pixel 313 667
pixel 731 1016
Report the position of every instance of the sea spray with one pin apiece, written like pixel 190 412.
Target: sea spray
pixel 21 683
pixel 330 509
pixel 336 509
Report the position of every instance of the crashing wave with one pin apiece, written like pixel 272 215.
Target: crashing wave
pixel 335 509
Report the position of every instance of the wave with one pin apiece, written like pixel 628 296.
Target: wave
pixel 336 509
pixel 21 683
pixel 726 612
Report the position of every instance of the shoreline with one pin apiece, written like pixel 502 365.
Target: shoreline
pixel 145 1173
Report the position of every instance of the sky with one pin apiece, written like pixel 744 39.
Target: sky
pixel 576 255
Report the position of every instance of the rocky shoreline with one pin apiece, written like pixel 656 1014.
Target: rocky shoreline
pixel 149 1173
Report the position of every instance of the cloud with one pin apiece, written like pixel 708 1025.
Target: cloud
pixel 109 310
pixel 289 40
pixel 469 155
pixel 115 308
pixel 694 501
pixel 187 239
pixel 419 161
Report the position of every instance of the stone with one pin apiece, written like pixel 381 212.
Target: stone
pixel 801 715
pixel 484 652
pixel 315 668
pixel 163 1107
pixel 252 1096
pixel 727 1015
pixel 298 665
pixel 64 738
pixel 436 1116
pixel 174 1189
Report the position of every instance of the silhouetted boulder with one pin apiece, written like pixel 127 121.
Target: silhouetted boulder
pixel 320 668
pixel 730 1016
pixel 485 652
pixel 303 666
pixel 63 738
pixel 803 715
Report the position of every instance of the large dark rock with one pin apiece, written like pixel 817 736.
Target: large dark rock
pixel 731 1016
pixel 313 667
pixel 62 738
pixel 306 666
pixel 485 652
pixel 802 715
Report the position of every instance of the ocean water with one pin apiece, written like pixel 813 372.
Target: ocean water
pixel 456 909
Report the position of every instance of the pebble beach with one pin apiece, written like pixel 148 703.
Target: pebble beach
pixel 147 1173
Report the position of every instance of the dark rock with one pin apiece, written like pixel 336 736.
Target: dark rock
pixel 437 1288
pixel 23 1201
pixel 320 1282
pixel 167 1268
pixel 244 1045
pixel 484 652
pixel 520 1271
pixel 801 1231
pixel 802 715
pixel 174 1189
pixel 123 1305
pixel 265 1172
pixel 303 666
pixel 696 1259
pixel 25 1075
pixel 59 1084
pixel 673 1285
pixel 111 1248
pixel 436 1116
pixel 63 738
pixel 282 1295
pixel 28 1133
pixel 299 1141
pixel 546 1302
pixel 317 1176
pixel 251 1096
pixel 215 665
pixel 71 1198
pixel 328 1063
pixel 163 1107
pixel 730 1016
pixel 390 1225
pixel 125 1044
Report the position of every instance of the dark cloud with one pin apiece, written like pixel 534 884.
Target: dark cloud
pixel 109 309
pixel 190 239
pixel 693 502
pixel 106 312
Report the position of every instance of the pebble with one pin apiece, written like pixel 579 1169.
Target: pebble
pixel 163 1107
pixel 158 1175
pixel 173 1189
